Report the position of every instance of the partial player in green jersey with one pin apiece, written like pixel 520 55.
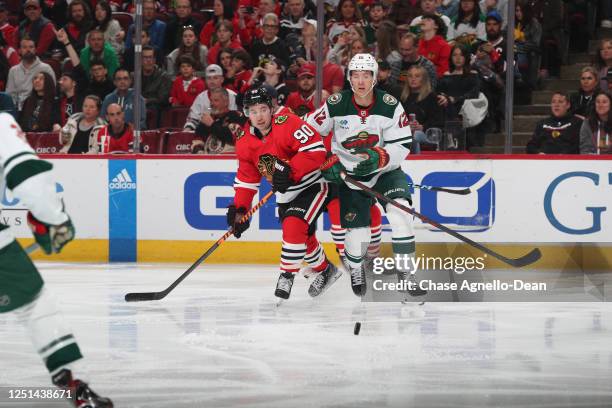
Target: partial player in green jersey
pixel 22 291
pixel 371 138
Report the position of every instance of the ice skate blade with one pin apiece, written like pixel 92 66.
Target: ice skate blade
pixel 331 282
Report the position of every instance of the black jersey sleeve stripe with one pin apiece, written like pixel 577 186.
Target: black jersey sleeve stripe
pixel 15 156
pixel 25 170
pixel 402 139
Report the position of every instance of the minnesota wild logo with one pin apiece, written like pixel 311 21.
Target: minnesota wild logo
pixel 363 140
pixel 389 100
pixel 279 120
pixel 334 99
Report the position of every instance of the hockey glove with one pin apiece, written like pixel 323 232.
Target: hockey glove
pixel 234 215
pixel 281 178
pixel 332 169
pixel 377 158
pixel 51 238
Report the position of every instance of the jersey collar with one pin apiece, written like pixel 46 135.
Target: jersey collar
pixel 363 112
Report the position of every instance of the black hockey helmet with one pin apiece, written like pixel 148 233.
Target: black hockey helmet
pixel 254 96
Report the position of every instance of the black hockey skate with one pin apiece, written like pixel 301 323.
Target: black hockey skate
pixel 412 284
pixel 81 395
pixel 284 285
pixel 324 280
pixel 358 281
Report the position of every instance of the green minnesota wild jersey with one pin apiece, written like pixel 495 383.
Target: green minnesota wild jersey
pixel 26 177
pixel 355 128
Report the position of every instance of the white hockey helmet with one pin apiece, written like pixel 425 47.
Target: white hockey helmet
pixel 363 62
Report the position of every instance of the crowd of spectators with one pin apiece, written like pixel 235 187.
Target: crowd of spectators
pixel 67 67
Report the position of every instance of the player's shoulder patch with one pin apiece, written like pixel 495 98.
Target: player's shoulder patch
pixel 334 99
pixel 279 120
pixel 389 99
pixel 239 133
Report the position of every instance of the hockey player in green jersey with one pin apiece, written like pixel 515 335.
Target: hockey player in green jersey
pixel 22 290
pixel 371 138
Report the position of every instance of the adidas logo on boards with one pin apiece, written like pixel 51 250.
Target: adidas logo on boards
pixel 122 181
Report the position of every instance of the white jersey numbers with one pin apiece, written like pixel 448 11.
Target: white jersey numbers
pixel 303 134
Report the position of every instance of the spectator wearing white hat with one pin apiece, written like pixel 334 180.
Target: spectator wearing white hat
pixel 201 105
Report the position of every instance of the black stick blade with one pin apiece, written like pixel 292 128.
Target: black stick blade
pixel 528 259
pixel 143 297
pixel 464 191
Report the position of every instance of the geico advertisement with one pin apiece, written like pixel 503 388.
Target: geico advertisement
pixel 510 200
pixel 83 184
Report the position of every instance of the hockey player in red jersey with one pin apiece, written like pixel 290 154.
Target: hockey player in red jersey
pixel 288 152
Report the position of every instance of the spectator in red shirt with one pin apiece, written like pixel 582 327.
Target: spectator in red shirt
pixel 37 28
pixel 333 78
pixel 9 57
pixel 9 32
pixel 222 11
pixel 251 24
pixel 224 40
pixel 117 136
pixel 11 54
pixel 240 71
pixel 79 23
pixel 432 45
pixel 302 101
pixel 186 86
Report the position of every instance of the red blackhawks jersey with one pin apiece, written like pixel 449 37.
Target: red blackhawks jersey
pixel 291 140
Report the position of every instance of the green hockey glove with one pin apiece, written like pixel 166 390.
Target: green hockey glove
pixel 332 169
pixel 377 158
pixel 51 238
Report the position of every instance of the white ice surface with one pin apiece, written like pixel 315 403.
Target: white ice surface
pixel 219 341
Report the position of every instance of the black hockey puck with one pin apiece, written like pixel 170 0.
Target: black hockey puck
pixel 357 328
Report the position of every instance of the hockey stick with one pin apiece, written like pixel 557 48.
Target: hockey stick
pixel 531 257
pixel 146 296
pixel 463 191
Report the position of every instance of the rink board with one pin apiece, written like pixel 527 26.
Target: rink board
pixel 171 209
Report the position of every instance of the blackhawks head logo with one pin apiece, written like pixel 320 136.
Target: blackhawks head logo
pixel 266 165
pixel 362 141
